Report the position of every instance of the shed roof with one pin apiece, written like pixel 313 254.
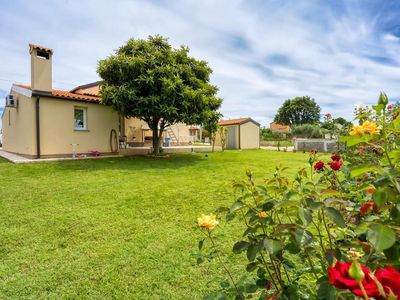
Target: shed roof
pixel 237 121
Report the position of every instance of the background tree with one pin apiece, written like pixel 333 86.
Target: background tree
pixel 297 111
pixel 150 80
pixel 222 132
pixel 211 126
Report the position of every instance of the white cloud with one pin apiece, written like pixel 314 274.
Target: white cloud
pixel 261 52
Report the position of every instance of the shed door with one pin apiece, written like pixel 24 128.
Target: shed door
pixel 231 142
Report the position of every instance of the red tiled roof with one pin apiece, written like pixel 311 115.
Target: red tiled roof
pixel 234 121
pixel 278 127
pixel 66 94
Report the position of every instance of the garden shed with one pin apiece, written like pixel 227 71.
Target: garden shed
pixel 243 133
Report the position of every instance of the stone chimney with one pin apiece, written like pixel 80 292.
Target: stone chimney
pixel 41 74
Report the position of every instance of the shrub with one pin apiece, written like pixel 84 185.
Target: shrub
pixel 307 131
pixel 332 232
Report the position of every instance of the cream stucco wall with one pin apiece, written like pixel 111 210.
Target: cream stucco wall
pixel 182 133
pixel 57 127
pixel 134 132
pixel 18 127
pixel 249 136
pixel 41 77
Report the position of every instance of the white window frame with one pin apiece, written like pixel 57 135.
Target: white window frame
pixel 85 125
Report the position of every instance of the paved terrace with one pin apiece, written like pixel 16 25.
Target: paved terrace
pixel 15 158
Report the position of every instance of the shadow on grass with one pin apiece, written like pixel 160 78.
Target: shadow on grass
pixel 175 161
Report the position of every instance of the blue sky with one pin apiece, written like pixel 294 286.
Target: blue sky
pixel 341 53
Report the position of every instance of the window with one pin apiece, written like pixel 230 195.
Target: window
pixel 80 118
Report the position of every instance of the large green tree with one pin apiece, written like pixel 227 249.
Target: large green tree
pixel 297 111
pixel 161 85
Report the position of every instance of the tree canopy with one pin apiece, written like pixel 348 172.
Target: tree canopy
pixel 150 80
pixel 297 111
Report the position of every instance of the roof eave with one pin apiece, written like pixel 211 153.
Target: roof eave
pixel 84 86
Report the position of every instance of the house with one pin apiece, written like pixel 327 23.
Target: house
pixel 275 127
pixel 39 121
pixel 243 133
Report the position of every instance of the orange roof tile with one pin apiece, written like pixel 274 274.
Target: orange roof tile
pixel 66 94
pixel 234 121
pixel 278 127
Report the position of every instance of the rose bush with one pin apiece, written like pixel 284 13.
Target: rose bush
pixel 332 232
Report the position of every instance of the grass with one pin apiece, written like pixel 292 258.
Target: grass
pixel 118 228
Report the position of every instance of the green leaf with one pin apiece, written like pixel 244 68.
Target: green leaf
pixel 381 237
pixel 237 205
pixel 384 194
pixel 302 237
pixel 240 247
pixel 201 243
pixel 272 246
pixel 251 266
pixel 304 215
pixel 326 291
pixel 313 203
pixel 287 203
pixel 283 227
pixel 357 171
pixel 335 216
pixel 252 251
pixel 355 139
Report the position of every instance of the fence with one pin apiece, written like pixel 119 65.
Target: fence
pixel 321 145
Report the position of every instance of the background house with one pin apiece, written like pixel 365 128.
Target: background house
pixel 275 127
pixel 39 121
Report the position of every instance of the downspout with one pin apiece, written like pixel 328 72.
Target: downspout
pixel 37 127
pixel 239 135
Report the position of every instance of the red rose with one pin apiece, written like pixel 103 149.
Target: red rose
pixel 335 165
pixel 390 280
pixel 390 106
pixel 328 115
pixel 367 207
pixel 319 166
pixel 340 278
pixel 335 157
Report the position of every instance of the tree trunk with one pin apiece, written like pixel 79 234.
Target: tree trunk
pixel 156 143
pixel 156 136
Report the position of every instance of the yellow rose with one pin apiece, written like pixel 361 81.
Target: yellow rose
pixel 207 221
pixel 357 130
pixel 367 127
pixel 370 127
pixel 262 214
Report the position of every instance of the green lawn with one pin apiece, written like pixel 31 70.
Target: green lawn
pixel 117 228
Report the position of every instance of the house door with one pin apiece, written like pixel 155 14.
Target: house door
pixel 231 142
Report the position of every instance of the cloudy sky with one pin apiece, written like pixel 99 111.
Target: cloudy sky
pixel 341 53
